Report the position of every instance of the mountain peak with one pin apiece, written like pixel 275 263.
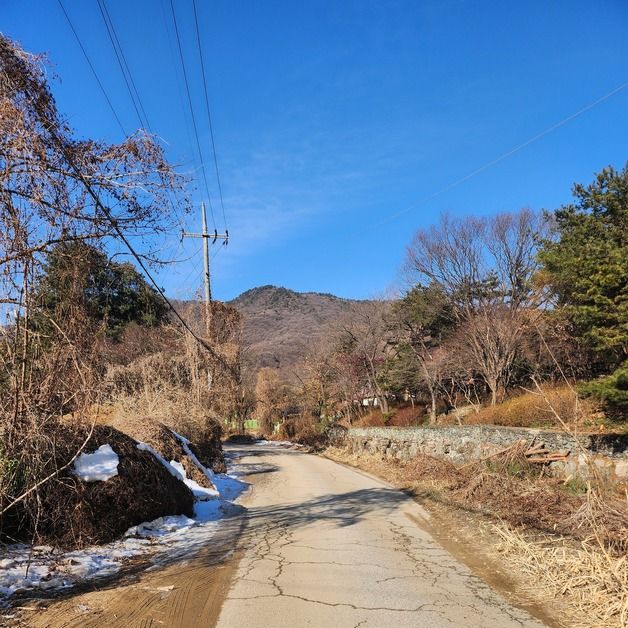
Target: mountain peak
pixel 280 325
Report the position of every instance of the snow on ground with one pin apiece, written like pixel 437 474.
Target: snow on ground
pixel 99 466
pixel 200 492
pixel 171 469
pixel 24 568
pixel 274 443
pixel 209 474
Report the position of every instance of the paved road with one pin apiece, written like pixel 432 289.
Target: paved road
pixel 328 546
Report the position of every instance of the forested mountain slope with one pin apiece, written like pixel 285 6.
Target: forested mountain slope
pixel 279 325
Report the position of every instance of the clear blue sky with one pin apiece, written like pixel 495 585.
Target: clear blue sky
pixel 331 117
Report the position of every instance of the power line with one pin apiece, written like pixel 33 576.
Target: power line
pixel 124 68
pixel 93 69
pixel 508 153
pixel 131 86
pixel 166 18
pixel 209 115
pixel 143 122
pixel 95 197
pixel 189 95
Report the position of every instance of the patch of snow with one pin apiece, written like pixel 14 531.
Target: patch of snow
pixel 201 493
pixel 172 470
pixel 209 474
pixel 182 439
pixel 230 486
pixel 176 469
pixel 44 568
pixel 160 527
pixel 23 568
pixel 99 466
pixel 274 443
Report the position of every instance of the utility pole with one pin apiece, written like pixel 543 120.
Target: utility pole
pixel 207 236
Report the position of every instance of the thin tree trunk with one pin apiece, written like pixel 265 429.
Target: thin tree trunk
pixel 383 404
pixel 433 408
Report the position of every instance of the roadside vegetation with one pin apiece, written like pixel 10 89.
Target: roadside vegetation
pixel 566 543
pixel 92 354
pixel 518 319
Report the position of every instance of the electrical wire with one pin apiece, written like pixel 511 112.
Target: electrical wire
pixel 122 236
pixel 144 121
pixel 131 87
pixel 507 154
pixel 189 95
pixel 93 69
pixel 137 105
pixel 209 115
pixel 166 19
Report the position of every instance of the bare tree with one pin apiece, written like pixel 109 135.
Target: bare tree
pixel 365 340
pixel 418 322
pixel 486 267
pixel 55 188
pixel 271 399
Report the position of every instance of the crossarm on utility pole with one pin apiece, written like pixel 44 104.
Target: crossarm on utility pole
pixel 206 236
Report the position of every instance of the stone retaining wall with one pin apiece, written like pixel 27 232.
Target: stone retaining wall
pixel 466 443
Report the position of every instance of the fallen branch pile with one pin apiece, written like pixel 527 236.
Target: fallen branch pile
pixel 539 454
pixel 524 452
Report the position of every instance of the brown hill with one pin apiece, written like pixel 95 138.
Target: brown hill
pixel 279 325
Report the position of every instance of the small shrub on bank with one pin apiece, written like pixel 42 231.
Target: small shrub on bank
pixel 612 391
pixel 374 418
pixel 305 430
pixel 402 416
pixel 405 416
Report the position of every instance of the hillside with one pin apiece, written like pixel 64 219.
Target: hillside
pixel 279 324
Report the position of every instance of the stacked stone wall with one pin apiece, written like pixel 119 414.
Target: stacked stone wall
pixel 466 443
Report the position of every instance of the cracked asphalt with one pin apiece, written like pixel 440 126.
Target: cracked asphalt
pixel 326 545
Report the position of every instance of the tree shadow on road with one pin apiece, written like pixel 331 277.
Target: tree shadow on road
pixel 340 509
pixel 240 524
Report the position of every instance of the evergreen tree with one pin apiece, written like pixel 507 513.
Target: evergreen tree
pixel 80 277
pixel 587 265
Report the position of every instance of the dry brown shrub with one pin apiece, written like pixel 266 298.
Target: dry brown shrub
pixel 305 430
pixel 604 518
pixel 531 410
pixel 539 505
pixel 374 418
pixel 405 416
pixel 67 512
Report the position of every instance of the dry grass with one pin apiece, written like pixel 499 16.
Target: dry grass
pixel 506 491
pixel 158 391
pixel 531 410
pixel 593 582
pixel 402 416
pixel 304 430
pixel 586 564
